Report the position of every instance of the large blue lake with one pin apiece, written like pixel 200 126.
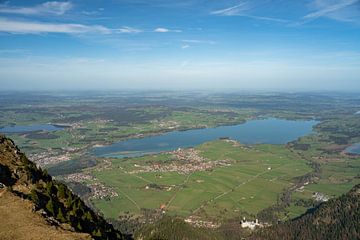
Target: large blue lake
pixel 30 128
pixel 353 149
pixel 273 131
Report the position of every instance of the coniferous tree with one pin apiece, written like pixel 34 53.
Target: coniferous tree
pixel 50 207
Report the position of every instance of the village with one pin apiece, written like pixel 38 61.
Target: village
pixel 320 197
pixel 197 222
pixel 98 190
pixel 48 158
pixel 51 157
pixel 187 161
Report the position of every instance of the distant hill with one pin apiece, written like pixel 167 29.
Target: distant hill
pixel 34 206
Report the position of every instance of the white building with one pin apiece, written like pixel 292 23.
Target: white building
pixel 250 224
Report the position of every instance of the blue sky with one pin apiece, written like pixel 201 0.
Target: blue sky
pixel 188 44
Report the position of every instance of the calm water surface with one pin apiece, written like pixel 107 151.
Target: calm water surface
pixel 30 128
pixel 353 149
pixel 272 131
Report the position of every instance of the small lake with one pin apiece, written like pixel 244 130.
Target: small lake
pixel 30 128
pixel 272 131
pixel 353 149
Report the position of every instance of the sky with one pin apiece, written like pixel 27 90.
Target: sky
pixel 305 45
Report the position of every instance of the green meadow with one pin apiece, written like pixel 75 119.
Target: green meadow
pixel 253 181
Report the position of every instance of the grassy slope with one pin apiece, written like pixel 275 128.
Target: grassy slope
pixel 17 221
pixel 26 180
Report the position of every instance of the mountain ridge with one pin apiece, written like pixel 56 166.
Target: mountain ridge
pixel 58 205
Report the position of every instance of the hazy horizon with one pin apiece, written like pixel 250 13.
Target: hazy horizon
pixel 260 45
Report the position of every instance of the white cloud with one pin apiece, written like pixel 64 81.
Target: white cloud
pixel 56 8
pixel 23 27
pixel 198 41
pixel 264 18
pixel 191 42
pixel 165 30
pixel 341 10
pixel 232 11
pixel 330 8
pixel 126 29
pixel 161 30
pixel 90 13
pixel 242 10
pixel 14 51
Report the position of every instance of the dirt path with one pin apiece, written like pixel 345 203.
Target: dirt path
pixel 144 179
pixel 129 198
pixel 229 191
pixel 175 194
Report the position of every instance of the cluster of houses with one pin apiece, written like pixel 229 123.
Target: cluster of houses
pixel 168 124
pixel 188 161
pixel 197 222
pixel 188 155
pixel 98 190
pixel 79 177
pixel 320 197
pixel 106 164
pixel 50 157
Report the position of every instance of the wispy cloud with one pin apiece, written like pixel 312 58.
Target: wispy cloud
pixel 165 30
pixel 55 8
pixel 90 13
pixel 29 27
pixel 232 11
pixel 342 10
pixel 187 43
pixel 332 10
pixel 14 51
pixel 264 18
pixel 25 27
pixel 126 29
pixel 243 10
pixel 198 41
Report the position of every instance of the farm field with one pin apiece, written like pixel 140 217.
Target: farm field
pixel 252 182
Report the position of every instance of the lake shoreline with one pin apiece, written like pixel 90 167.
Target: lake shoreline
pixel 169 140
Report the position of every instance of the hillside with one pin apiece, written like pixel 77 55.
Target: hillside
pixel 31 199
pixel 28 224
pixel 336 219
pixel 172 228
